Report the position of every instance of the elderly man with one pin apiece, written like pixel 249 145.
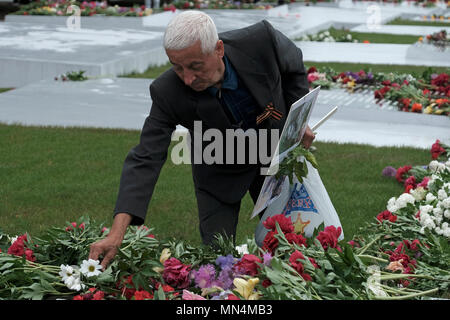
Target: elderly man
pixel 242 79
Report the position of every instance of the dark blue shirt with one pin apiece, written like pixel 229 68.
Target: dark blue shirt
pixel 234 96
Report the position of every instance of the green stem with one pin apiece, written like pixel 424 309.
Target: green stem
pixel 404 275
pixel 408 296
pixel 367 246
pixel 372 258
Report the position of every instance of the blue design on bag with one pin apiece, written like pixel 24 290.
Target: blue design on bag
pixel 299 201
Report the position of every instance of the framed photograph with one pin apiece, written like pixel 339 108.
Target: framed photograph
pixel 291 136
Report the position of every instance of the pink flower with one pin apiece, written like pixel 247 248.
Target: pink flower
pixel 187 295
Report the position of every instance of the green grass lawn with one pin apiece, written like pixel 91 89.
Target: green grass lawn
pixel 373 37
pixel 405 22
pixel 5 89
pixel 53 175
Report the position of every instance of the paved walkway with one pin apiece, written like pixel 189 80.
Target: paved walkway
pixel 124 103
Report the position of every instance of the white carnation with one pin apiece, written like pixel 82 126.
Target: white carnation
pixel 419 193
pixel 430 197
pixel 446 203
pixel 436 166
pixel 425 209
pixel 447 213
pixel 391 206
pixel 404 199
pixel 442 194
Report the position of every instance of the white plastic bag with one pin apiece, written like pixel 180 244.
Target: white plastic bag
pixel 307 204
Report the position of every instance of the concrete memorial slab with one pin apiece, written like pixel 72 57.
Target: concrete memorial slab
pixel 370 53
pixel 125 103
pixel 401 30
pixel 30 53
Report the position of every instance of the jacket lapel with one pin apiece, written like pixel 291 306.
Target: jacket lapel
pixel 252 75
pixel 211 111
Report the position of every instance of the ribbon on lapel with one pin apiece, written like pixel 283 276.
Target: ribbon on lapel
pixel 269 112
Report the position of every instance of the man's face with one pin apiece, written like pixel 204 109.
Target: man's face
pixel 196 69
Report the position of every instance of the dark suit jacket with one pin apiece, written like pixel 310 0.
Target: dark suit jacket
pixel 270 65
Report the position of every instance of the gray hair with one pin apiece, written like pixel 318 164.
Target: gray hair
pixel 189 27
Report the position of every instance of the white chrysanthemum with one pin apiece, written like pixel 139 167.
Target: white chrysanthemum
pixel 430 197
pixel 91 268
pixel 74 283
pixel 66 272
pixel 439 231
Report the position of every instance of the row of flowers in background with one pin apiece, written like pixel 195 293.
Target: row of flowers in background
pixel 90 8
pixel 427 93
pixel 421 3
pixel 403 254
pixel 439 39
pixel 326 36
pixel 87 8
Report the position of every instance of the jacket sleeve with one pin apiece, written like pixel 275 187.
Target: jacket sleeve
pixel 290 61
pixel 143 163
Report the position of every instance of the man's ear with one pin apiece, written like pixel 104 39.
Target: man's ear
pixel 220 50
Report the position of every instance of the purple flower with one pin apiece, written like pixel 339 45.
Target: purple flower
pixel 205 276
pixel 389 171
pixel 226 261
pixel 225 278
pixel 267 257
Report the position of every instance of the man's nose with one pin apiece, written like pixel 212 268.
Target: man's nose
pixel 188 77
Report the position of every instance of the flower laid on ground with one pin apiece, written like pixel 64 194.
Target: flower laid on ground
pixel 438 39
pixel 402 254
pixel 326 36
pixel 91 268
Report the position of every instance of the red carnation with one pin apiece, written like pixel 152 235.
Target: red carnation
pixel 401 173
pixel 298 266
pixel 142 295
pixel 311 70
pixel 176 274
pixel 248 264
pixel 386 215
pixel 270 243
pixel 436 150
pixel 295 238
pixel 285 223
pixel 329 237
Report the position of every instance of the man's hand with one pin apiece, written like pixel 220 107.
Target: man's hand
pixel 109 246
pixel 308 138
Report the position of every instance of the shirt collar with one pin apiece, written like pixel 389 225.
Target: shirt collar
pixel 230 79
